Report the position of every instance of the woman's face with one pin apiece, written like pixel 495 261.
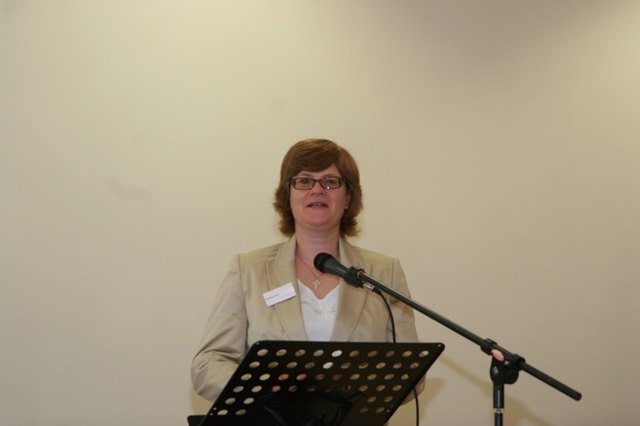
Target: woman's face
pixel 319 210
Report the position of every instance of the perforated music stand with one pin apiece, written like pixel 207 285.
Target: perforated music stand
pixel 291 383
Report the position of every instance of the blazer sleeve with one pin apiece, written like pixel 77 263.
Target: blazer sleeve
pixel 225 337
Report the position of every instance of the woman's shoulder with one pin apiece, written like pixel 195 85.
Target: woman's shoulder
pixel 370 256
pixel 382 266
pixel 261 253
pixel 278 252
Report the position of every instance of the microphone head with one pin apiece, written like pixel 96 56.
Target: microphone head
pixel 327 264
pixel 321 260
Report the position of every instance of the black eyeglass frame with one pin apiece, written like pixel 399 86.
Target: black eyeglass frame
pixel 322 181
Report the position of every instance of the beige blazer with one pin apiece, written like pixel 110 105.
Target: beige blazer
pixel 241 317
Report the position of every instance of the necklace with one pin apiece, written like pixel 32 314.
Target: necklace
pixel 316 281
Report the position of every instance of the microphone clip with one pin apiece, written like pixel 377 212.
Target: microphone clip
pixel 352 276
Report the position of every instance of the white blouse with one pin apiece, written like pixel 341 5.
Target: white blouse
pixel 319 315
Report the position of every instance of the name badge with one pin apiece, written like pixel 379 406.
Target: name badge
pixel 279 294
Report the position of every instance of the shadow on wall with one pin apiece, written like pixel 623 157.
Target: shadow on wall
pixel 517 411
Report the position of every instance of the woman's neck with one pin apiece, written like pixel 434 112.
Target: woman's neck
pixel 308 247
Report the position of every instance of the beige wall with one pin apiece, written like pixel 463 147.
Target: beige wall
pixel 499 144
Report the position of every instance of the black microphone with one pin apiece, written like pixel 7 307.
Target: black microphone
pixel 326 263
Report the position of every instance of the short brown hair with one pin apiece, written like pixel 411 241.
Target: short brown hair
pixel 315 155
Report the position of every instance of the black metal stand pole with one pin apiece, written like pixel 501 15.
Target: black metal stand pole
pixel 501 373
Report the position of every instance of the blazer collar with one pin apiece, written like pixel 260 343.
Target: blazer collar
pixel 281 272
pixel 351 300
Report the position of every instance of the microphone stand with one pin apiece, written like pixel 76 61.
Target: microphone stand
pixel 501 372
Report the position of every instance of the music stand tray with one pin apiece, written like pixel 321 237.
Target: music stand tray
pixel 299 383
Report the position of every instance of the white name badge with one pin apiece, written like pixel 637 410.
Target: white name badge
pixel 279 294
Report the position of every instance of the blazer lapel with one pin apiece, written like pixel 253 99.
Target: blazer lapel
pixel 352 300
pixel 282 270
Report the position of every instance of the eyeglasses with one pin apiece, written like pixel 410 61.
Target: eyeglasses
pixel 327 182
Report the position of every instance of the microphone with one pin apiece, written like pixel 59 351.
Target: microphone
pixel 326 263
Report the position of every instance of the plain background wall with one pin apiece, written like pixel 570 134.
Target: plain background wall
pixel 140 143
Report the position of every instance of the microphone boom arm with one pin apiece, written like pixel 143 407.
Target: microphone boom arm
pixel 512 361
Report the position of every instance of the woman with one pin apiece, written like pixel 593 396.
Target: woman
pixel 318 200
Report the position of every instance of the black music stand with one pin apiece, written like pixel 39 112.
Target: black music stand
pixel 292 383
